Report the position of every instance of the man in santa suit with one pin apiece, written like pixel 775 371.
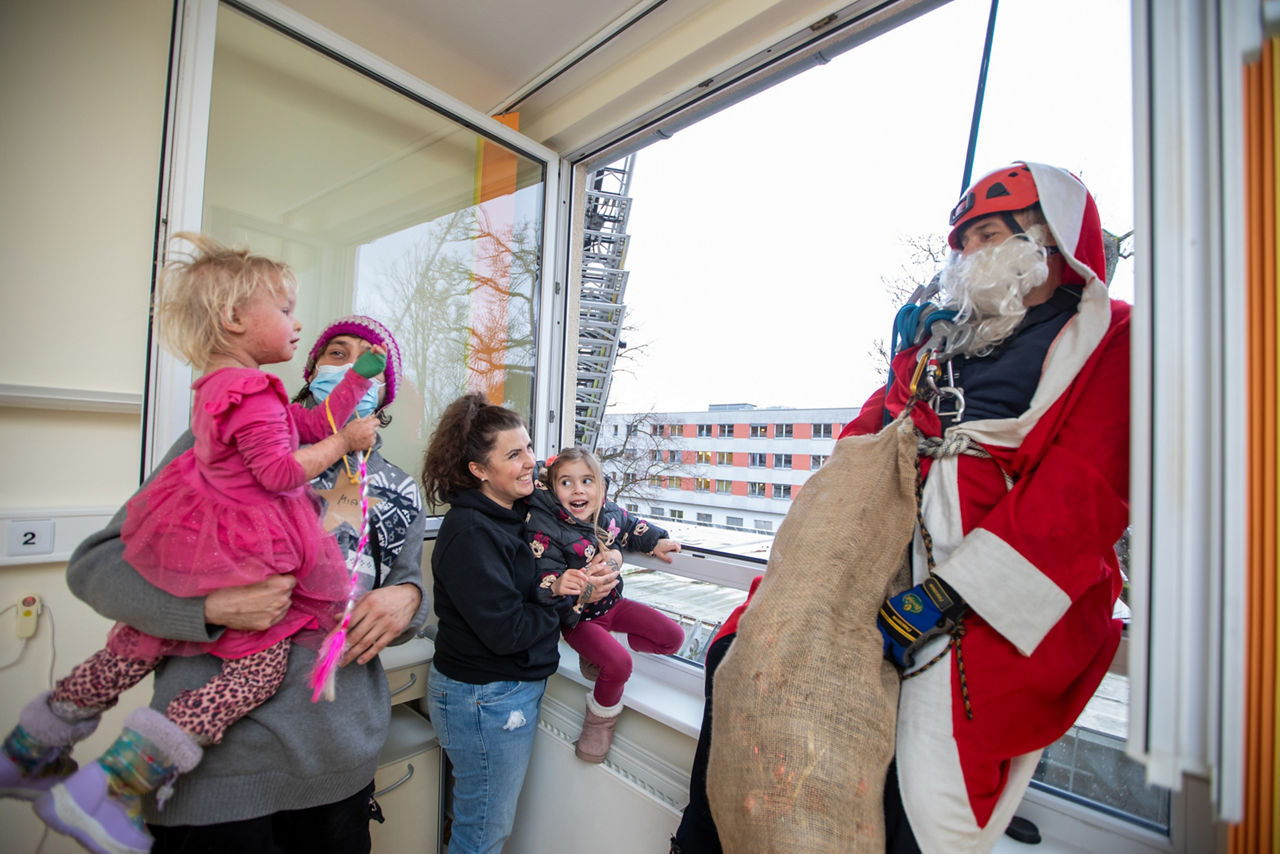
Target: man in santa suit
pixel 1022 402
pixel 1018 384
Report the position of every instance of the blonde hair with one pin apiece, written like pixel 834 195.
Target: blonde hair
pixel 578 454
pixel 200 290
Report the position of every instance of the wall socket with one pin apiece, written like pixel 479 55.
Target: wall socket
pixel 29 608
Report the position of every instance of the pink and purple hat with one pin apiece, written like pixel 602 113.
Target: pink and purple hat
pixel 370 330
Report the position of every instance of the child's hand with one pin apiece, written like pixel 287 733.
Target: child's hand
pixel 372 362
pixel 571 582
pixel 359 433
pixel 664 549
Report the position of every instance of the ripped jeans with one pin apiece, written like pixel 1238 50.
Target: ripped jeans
pixel 487 732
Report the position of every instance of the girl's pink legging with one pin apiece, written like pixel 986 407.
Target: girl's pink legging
pixel 646 631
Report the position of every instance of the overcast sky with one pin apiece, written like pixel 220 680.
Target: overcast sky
pixel 761 236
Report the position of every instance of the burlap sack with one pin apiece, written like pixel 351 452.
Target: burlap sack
pixel 805 704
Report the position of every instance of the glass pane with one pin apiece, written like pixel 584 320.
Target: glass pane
pixel 384 207
pixel 1089 764
pixel 698 606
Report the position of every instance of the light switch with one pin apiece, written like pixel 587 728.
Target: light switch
pixel 30 537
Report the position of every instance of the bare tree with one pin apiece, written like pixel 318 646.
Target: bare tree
pixel 641 453
pixel 462 294
pixel 925 256
pixel 928 253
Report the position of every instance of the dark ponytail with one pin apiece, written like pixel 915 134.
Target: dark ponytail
pixel 465 434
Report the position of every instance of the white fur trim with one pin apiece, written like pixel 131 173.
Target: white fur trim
pixel 46 727
pixel 603 711
pixel 940 503
pixel 1063 200
pixel 175 744
pixel 929 776
pixel 1011 593
pixel 1067 355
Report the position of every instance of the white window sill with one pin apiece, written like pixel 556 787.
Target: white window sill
pixel 657 689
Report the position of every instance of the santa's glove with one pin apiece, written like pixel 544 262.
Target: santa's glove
pixel 911 618
pixel 370 364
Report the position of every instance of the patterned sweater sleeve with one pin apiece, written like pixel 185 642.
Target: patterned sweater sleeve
pixel 406 568
pixel 634 534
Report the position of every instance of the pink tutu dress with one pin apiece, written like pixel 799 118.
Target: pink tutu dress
pixel 237 509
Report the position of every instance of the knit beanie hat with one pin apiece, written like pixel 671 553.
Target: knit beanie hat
pixel 370 330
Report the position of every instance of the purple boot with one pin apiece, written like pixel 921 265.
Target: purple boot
pixel 36 753
pixel 100 806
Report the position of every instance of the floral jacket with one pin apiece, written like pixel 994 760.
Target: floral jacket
pixel 560 542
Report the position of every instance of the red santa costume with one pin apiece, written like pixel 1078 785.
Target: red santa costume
pixel 1027 538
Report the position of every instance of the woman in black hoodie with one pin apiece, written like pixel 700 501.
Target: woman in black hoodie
pixel 496 641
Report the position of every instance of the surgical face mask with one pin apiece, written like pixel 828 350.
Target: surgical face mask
pixel 327 378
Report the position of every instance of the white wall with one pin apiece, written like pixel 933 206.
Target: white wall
pixel 83 84
pixel 631 804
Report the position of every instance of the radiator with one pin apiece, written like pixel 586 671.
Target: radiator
pixel 629 803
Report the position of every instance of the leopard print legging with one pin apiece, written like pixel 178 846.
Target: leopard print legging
pixel 205 713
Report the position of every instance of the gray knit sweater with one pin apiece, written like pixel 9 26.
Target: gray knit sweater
pixel 288 753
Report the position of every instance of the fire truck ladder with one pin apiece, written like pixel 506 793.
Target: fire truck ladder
pixel 604 283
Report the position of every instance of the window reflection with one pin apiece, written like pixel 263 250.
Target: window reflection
pixel 382 206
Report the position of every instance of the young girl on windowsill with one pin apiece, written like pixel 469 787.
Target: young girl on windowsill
pixel 569 523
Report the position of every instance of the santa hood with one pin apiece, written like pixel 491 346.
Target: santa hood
pixel 1073 220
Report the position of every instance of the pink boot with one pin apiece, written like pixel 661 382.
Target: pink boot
pixel 100 806
pixel 597 731
pixel 36 754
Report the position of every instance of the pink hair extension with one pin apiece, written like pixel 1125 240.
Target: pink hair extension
pixel 324 672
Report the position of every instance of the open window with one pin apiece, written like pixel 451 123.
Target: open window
pixel 771 230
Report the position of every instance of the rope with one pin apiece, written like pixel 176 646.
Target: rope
pixel 977 100
pixel 955 445
pixel 957 632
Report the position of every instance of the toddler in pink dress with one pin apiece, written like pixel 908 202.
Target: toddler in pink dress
pixel 234 510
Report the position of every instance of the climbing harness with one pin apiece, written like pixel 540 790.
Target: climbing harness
pixel 924 385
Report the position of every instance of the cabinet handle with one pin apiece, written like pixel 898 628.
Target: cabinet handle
pixel 397 784
pixel 413 678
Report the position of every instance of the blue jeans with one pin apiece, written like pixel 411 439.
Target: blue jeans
pixel 487 731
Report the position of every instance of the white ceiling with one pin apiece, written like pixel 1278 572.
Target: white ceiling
pixel 575 69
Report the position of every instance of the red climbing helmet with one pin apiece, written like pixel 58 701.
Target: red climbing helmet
pixel 1003 191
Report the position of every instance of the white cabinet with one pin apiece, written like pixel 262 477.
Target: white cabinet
pixel 407 785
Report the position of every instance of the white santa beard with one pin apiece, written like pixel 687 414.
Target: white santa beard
pixel 987 289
